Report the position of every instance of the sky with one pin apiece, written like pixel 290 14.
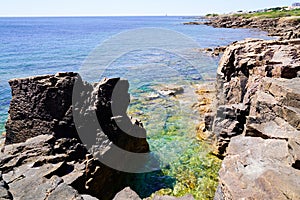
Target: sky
pixel 131 7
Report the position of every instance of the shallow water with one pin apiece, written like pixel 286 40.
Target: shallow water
pixel 187 165
pixel 36 46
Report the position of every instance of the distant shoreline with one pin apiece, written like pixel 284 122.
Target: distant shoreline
pixel 284 24
pixel 187 16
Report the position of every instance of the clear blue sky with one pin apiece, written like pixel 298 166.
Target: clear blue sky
pixel 130 7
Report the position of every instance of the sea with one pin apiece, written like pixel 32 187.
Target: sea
pixel 152 53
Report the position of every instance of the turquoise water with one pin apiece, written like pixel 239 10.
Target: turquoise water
pixel 36 46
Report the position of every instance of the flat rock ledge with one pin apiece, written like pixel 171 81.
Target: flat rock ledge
pixel 257 121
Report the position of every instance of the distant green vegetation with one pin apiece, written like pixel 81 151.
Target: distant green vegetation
pixel 212 15
pixel 271 13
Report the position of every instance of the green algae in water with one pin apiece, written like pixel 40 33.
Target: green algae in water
pixel 196 172
pixel 187 167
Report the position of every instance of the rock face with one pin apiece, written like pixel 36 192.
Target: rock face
pixel 257 124
pixel 257 168
pixel 44 147
pixel 246 72
pixel 285 28
pixel 40 105
pixel 48 163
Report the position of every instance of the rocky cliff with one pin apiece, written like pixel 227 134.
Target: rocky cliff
pixel 257 121
pixel 44 157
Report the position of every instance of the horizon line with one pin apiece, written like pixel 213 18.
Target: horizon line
pixel 183 15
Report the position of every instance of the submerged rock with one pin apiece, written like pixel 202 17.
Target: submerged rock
pixel 217 51
pixel 170 90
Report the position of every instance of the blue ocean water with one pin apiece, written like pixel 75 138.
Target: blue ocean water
pixel 36 46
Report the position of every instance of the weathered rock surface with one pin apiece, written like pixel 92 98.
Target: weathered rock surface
pixel 44 168
pixel 127 193
pixel 206 106
pixel 257 121
pixel 229 122
pixel 44 157
pixel 257 168
pixel 4 189
pixel 249 75
pixel 40 105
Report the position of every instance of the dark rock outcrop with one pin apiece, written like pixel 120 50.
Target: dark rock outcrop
pixel 193 23
pixel 41 105
pixel 257 125
pixel 45 154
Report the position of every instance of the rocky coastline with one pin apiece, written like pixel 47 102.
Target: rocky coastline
pixel 283 28
pixel 256 124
